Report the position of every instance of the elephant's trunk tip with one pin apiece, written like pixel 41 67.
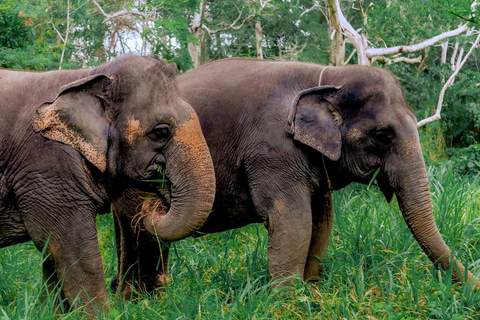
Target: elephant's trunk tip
pixel 459 275
pixel 150 208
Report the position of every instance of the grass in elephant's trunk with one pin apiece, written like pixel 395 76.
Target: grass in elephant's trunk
pixel 149 208
pixel 149 204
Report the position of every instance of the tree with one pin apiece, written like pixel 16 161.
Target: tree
pixel 365 53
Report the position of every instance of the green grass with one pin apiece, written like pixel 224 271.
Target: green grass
pixel 374 268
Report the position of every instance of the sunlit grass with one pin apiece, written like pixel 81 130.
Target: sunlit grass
pixel 373 269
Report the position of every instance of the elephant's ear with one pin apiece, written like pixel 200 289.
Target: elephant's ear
pixel 77 118
pixel 315 122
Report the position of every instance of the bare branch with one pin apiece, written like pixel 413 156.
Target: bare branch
pixel 233 25
pixel 66 35
pixel 444 52
pixel 389 61
pixel 123 13
pixel 99 8
pixel 437 116
pixel 454 55
pixel 350 57
pixel 309 9
pixel 364 13
pixel 372 52
pixel 58 32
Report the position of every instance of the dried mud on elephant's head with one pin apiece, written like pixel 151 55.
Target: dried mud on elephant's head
pixel 134 130
pixel 52 126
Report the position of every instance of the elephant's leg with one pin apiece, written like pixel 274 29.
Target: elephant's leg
pixel 289 233
pixel 72 253
pixel 140 262
pixel 152 262
pixel 289 224
pixel 52 285
pixel 322 218
pixel 127 268
pixel 78 265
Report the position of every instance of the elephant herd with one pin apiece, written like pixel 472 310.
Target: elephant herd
pixel 238 141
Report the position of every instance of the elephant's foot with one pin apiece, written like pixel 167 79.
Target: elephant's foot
pixel 155 284
pixel 313 271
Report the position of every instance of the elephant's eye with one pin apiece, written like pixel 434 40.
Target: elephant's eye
pixel 160 132
pixel 382 137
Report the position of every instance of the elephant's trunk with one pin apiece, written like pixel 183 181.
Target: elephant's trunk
pixel 189 169
pixel 411 188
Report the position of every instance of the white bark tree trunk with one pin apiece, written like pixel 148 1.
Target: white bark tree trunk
pixel 444 52
pixel 454 56
pixel 337 46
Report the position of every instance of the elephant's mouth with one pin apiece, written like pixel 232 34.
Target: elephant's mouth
pixel 151 193
pixel 385 187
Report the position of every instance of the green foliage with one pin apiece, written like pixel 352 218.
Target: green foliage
pixel 173 26
pixel 465 161
pixel 461 116
pixel 460 124
pixel 460 9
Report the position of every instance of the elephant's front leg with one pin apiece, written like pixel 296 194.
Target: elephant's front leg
pixel 289 226
pixel 152 262
pixel 322 216
pixel 142 260
pixel 72 257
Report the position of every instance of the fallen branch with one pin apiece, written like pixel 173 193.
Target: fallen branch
pixel 437 116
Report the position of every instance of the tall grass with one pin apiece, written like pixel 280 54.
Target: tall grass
pixel 373 269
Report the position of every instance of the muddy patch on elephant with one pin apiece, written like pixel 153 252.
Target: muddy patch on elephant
pixel 188 136
pixel 50 124
pixel 134 130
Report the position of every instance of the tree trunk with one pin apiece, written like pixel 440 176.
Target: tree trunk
pixel 337 46
pixel 259 37
pixel 203 58
pixel 197 32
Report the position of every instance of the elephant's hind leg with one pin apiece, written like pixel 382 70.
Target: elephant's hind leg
pixel 322 218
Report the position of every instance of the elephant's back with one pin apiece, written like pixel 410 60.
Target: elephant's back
pixel 21 93
pixel 241 87
pixel 21 90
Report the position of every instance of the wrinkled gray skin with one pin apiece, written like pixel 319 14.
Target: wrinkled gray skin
pixel 274 134
pixel 73 140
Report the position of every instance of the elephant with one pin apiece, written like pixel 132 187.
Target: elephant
pixel 283 136
pixel 74 141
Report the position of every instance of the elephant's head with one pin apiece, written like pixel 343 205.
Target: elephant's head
pixel 127 119
pixel 360 121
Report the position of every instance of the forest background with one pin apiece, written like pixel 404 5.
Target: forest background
pixel 67 34
pixel 374 267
